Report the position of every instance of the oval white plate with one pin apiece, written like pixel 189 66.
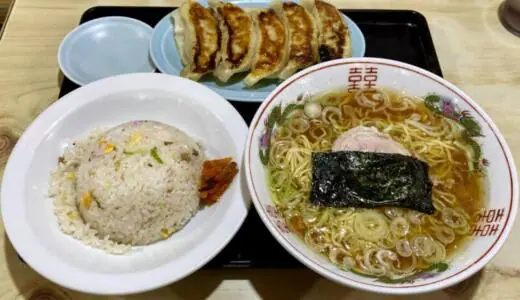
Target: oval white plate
pixel 105 47
pixel 501 196
pixel 28 213
pixel 165 56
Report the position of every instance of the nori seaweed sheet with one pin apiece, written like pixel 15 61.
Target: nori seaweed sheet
pixel 370 179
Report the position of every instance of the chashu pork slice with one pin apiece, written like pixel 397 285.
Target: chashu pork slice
pixel 367 139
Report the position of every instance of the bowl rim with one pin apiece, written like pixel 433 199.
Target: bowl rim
pixel 379 288
pixel 45 262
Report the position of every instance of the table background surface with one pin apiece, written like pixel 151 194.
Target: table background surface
pixel 475 51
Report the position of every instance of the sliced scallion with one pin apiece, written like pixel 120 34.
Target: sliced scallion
pixel 155 155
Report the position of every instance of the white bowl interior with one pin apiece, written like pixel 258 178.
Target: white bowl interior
pixel 501 181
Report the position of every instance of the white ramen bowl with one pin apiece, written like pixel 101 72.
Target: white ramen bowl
pixel 501 195
pixel 27 211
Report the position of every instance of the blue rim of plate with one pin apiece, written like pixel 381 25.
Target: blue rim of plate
pixel 164 54
pixel 69 70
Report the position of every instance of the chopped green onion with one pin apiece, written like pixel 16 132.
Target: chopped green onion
pixel 155 155
pixel 139 151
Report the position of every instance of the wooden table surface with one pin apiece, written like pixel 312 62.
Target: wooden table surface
pixel 475 52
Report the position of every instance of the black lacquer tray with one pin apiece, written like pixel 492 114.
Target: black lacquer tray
pixel 401 35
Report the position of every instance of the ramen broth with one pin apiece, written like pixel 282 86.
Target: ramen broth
pixel 386 241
